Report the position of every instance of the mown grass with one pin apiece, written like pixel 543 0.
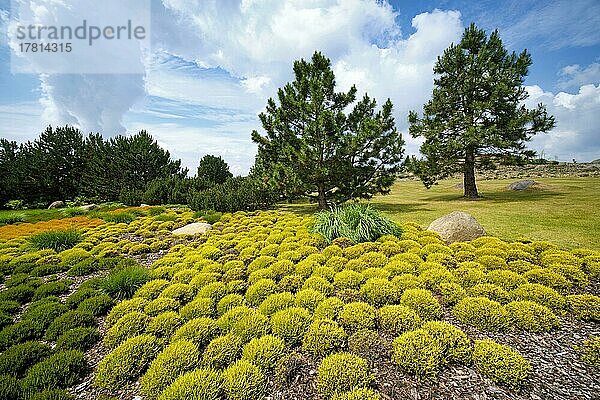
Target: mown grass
pixel 565 211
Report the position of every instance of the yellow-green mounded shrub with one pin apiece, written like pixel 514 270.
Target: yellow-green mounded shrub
pixel 433 277
pixel 309 299
pixel 540 294
pixel 342 372
pixel 161 305
pixel 200 384
pixel 177 358
pixel 198 308
pixel 358 394
pixel 276 302
pixel 379 291
pixel 584 306
pixel 323 337
pixel 590 351
pixel 319 284
pixel 244 380
pixel 251 325
pixel 369 345
pixel 397 319
pixel 455 345
pixel 348 279
pixel 222 351
pixel 451 293
pixel 226 321
pixel 130 325
pixel 469 274
pixel 531 316
pixel 357 315
pixel 325 272
pixel 291 283
pixel 164 325
pixel 204 278
pixel 181 292
pixel 506 279
pixel 423 302
pixel 500 363
pixel 291 324
pixel 418 353
pixel 329 308
pixel 490 291
pixel 264 352
pixel 547 277
pixel 215 291
pixel 228 302
pixel 127 362
pixel 200 331
pixel 483 313
pixel 260 290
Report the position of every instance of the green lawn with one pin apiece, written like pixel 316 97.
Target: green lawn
pixel 565 211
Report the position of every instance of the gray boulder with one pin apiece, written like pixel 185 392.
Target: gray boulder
pixel 457 226
pixel 89 207
pixel 56 204
pixel 196 228
pixel 522 185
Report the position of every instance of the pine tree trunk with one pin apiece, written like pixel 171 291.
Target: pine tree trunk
pixel 469 176
pixel 322 199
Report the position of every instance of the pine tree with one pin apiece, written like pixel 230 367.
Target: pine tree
pixel 476 109
pixel 213 169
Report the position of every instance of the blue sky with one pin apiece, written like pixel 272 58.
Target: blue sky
pixel 213 64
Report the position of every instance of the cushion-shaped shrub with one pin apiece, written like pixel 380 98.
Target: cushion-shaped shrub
pixel 369 345
pixel 451 293
pixel 226 321
pixel 433 277
pixel 500 363
pixel 323 337
pixel 342 372
pixel 506 279
pixel 200 384
pixel 52 289
pixel 10 389
pixel 175 359
pixel 161 305
pixel 129 325
pixel 181 292
pixel 319 284
pixel 69 320
pixel 418 353
pixel 378 272
pixel 590 351
pixel 78 339
pixel 490 291
pixel 222 351
pixel 276 302
pixel 407 281
pixel 251 325
pixel 540 294
pixel 59 371
pixel 397 319
pixel 357 315
pixel 337 263
pixel 84 267
pixel 204 278
pixel 198 330
pixel 309 299
pixel 215 291
pixel 53 394
pixel 80 295
pixel 259 291
pixel 244 380
pixel 127 362
pixel 152 289
pixel 469 274
pixel 197 308
pixel 423 302
pixel 264 352
pixel 531 316
pixel 329 308
pixel 455 345
pixel 584 306
pixel 291 324
pixel 483 313
pixel 164 325
pixel 291 283
pixel 19 357
pixel 228 302
pixel 547 277
pixel 9 307
pixel 97 305
pixel 380 291
pixel 42 314
pixel 325 272
pixel 19 332
pixel 358 394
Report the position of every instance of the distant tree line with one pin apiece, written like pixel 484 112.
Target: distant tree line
pixel 64 164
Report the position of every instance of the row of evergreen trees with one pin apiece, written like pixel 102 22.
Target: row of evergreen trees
pixel 63 164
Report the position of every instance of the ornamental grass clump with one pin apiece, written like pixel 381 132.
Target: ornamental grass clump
pixel 122 284
pixel 56 240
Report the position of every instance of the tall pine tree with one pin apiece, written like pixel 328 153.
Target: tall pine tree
pixel 476 109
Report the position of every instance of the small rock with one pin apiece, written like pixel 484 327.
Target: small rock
pixel 457 226
pixel 522 185
pixel 89 207
pixel 56 204
pixel 193 229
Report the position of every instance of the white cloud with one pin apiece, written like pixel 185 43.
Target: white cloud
pixel 576 134
pixel 574 76
pixel 18 121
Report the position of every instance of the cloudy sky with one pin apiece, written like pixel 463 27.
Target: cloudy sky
pixel 212 65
